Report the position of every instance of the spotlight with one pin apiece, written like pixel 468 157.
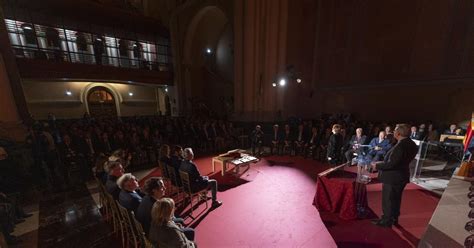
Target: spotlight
pixel 208 51
pixel 130 93
pixel 68 92
pixel 298 80
pixel 166 89
pixel 282 82
pixel 274 84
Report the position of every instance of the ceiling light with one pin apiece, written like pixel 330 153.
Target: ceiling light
pixel 298 80
pixel 274 84
pixel 208 51
pixel 130 93
pixel 282 82
pixel 68 92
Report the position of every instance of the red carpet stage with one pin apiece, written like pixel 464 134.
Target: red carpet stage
pixel 270 205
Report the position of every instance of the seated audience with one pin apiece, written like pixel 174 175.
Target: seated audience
pixel 288 139
pixel 129 197
pixel 433 135
pixel 312 143
pixel 300 140
pixel 378 147
pixel 155 190
pixel 197 181
pixel 356 140
pixel 164 232
pixel 115 171
pixel 414 133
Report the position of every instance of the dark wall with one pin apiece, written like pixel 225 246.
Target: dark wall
pixel 407 54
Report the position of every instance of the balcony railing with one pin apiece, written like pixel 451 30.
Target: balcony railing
pixel 34 41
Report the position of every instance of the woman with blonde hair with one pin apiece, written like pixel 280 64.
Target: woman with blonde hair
pixel 164 232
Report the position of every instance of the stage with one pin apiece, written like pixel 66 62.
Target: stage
pixel 270 205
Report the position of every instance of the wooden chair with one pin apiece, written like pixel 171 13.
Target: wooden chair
pixel 202 194
pixel 140 234
pixel 126 226
pixel 174 179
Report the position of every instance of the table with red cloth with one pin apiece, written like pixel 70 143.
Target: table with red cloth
pixel 340 195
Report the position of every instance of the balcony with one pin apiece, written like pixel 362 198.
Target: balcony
pixel 58 48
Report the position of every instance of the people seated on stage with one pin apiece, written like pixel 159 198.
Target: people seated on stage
pixel 312 144
pixel 164 232
pixel 389 135
pixel 256 140
pixel 276 140
pixel 288 145
pixel 451 130
pixel 414 133
pixel 378 147
pixel 335 145
pixel 115 171
pixel 197 181
pixel 422 132
pixel 459 131
pixel 129 196
pixel 155 189
pixel 300 140
pixel 354 145
pixel 175 162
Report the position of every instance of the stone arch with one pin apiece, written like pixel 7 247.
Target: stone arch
pixel 86 90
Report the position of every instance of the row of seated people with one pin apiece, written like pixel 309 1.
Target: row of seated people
pixel 332 143
pixel 149 206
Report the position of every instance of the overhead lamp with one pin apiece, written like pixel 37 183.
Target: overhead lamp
pixel 130 93
pixel 68 93
pixel 282 82
pixel 298 80
pixel 166 89
pixel 208 51
pixel 274 84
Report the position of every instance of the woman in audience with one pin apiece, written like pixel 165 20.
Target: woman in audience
pixel 165 158
pixel 129 196
pixel 164 232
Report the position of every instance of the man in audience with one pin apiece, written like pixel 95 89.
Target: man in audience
pixel 115 171
pixel 175 162
pixel 197 181
pixel 129 196
pixel 154 189
pixel 414 133
pixel 378 147
pixel 394 173
pixel 354 145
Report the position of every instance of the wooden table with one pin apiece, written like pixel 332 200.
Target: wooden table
pixel 222 161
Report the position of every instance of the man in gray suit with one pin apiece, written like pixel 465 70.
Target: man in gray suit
pixel 394 173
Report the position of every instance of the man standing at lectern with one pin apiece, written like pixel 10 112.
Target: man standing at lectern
pixel 394 173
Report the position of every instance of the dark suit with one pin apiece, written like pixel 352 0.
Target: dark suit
pixel 354 141
pixel 112 188
pixel 175 162
pixel 129 200
pixel 196 181
pixel 394 173
pixel 335 143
